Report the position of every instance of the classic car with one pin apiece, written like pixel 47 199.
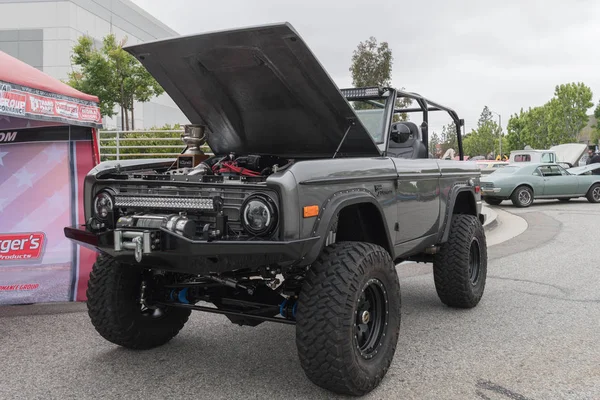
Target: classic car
pixel 488 166
pixel 522 183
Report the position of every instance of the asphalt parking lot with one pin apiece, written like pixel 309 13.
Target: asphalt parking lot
pixel 534 335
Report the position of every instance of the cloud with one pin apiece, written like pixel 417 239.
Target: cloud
pixel 465 54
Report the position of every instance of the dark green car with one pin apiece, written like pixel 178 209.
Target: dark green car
pixel 524 183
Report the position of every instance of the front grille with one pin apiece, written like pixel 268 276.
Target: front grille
pixel 487 185
pixel 196 201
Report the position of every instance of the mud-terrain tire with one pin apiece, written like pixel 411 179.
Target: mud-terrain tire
pixel 593 195
pixel 460 266
pixel 522 196
pixel 113 306
pixel 337 350
pixel 492 202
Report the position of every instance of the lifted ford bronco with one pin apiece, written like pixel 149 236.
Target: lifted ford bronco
pixel 312 197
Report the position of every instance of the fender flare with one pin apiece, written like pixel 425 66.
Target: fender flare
pixel 331 208
pixel 456 190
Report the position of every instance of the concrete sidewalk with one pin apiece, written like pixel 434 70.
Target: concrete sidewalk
pixel 491 218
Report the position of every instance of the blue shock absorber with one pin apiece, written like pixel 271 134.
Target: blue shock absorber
pixel 182 297
pixel 282 308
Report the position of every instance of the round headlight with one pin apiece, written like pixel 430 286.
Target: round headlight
pixel 259 215
pixel 103 205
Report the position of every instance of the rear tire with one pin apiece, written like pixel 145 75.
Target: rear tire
pixel 492 202
pixel 114 307
pixel 348 318
pixel 593 195
pixel 460 267
pixel 522 196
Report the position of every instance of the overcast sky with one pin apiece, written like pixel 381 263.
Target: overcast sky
pixel 464 54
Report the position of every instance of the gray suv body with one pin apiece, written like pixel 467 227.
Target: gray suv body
pixel 311 198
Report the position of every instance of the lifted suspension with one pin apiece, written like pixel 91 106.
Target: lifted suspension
pixel 269 306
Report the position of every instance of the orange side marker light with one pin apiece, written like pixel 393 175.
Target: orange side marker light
pixel 311 211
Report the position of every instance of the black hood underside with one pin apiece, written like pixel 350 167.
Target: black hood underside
pixel 258 91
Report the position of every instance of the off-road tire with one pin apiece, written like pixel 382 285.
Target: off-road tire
pixel 113 306
pixel 593 194
pixel 520 195
pixel 492 202
pixel 326 329
pixel 454 283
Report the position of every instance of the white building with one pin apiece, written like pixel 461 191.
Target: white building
pixel 43 32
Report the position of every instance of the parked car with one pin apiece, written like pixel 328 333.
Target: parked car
pixel 567 154
pixel 526 182
pixel 487 167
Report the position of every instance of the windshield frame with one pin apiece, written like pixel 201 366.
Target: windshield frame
pixel 380 97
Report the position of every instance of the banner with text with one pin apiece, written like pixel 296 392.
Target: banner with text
pixel 24 102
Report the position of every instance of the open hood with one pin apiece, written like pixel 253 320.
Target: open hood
pixel 569 152
pixel 258 90
pixel 583 169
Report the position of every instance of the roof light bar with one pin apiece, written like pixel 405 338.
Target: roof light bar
pixel 177 203
pixel 357 93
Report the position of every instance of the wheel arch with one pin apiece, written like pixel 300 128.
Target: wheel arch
pixel 349 208
pixel 529 185
pixel 462 201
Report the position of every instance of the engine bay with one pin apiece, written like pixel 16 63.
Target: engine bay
pixel 232 166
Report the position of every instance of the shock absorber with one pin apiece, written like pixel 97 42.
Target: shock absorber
pixel 288 307
pixel 180 295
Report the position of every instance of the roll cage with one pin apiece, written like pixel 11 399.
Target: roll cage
pixel 374 94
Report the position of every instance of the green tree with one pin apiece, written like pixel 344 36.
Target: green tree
pixel 558 121
pixel 372 66
pixel 516 132
pixel 596 133
pixel 113 75
pixel 448 138
pixel 567 112
pixel 94 76
pixel 485 138
pixel 434 141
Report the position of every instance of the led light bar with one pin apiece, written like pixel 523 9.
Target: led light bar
pixel 176 203
pixel 361 92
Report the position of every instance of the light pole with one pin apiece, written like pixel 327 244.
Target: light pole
pixel 500 125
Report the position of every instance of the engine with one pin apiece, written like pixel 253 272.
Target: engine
pixel 254 166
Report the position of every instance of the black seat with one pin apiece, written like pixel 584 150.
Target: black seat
pixel 405 141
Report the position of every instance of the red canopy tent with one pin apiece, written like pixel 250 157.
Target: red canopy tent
pixel 48 143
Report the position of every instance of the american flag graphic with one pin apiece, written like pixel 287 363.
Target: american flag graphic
pixel 38 181
pixel 35 194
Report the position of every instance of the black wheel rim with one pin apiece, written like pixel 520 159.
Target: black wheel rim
pixel 371 319
pixel 474 261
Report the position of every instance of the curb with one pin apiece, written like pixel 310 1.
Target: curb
pixel 491 218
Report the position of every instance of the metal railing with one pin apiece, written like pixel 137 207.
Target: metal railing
pixel 119 145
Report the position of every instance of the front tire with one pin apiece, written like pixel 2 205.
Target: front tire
pixel 348 318
pixel 593 195
pixel 113 301
pixel 522 196
pixel 460 267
